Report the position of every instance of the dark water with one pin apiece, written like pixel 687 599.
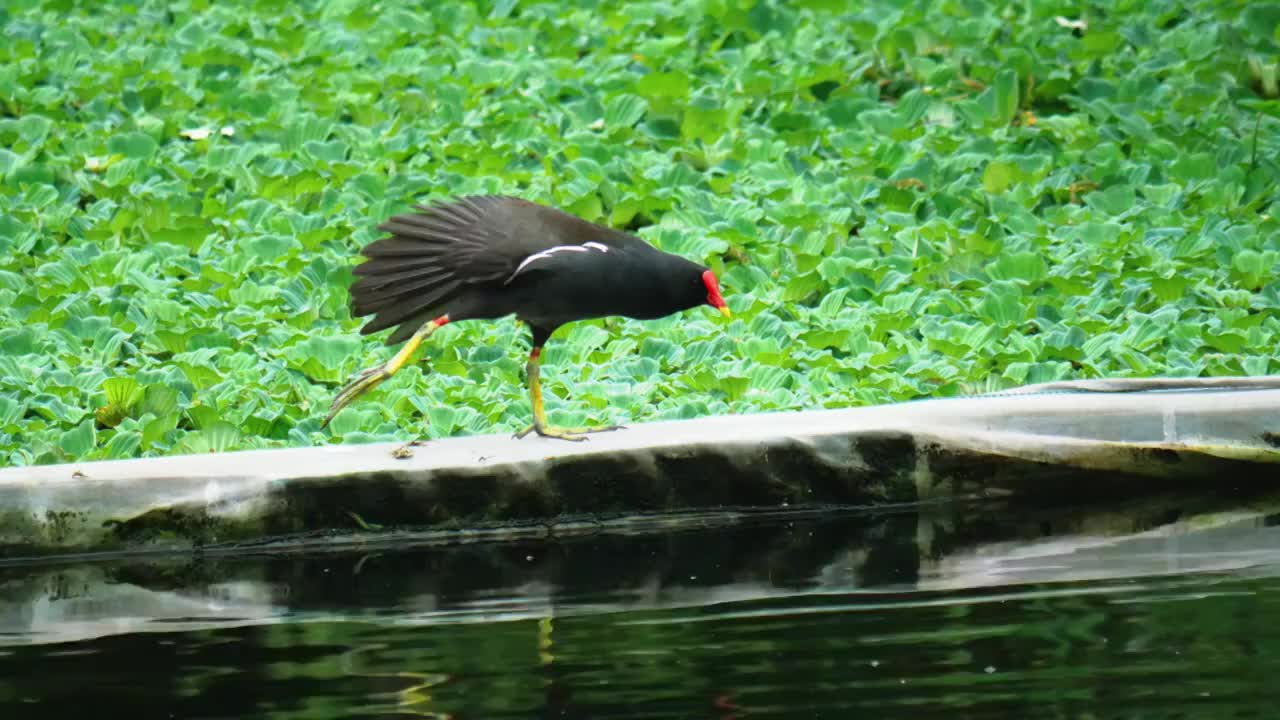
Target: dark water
pixel 1162 611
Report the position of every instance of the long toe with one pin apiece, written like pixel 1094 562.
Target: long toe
pixel 560 433
pixel 574 434
pixel 364 382
pixel 591 430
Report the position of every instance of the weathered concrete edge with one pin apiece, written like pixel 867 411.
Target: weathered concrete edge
pixel 901 453
pixel 1244 416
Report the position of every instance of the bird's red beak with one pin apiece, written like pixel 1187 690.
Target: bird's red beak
pixel 714 298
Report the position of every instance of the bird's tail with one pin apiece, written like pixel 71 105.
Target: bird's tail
pixel 405 280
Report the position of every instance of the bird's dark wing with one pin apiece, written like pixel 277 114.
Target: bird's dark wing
pixel 466 239
pixel 563 241
pixel 427 259
pixel 442 251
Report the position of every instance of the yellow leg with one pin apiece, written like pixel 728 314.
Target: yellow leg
pixel 540 424
pixel 374 376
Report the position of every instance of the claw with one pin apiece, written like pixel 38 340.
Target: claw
pixel 540 424
pixel 572 434
pixel 374 376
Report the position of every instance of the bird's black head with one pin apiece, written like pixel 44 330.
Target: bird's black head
pixel 698 286
pixel 675 284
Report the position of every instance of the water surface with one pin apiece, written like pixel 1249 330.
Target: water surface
pixel 1169 609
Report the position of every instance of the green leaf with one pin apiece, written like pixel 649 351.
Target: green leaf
pixel 9 161
pixel 192 33
pixel 159 400
pixel 80 441
pixel 324 358
pixel 735 386
pixel 664 351
pixel 326 152
pixel 1171 288
pixel 1002 305
pixel 33 129
pixel 134 145
pixel 203 416
pixel 217 437
pixel 704 119
pixel 351 420
pixel 998 177
pixel 624 111
pixel 1193 166
pixel 1256 366
pixel 1115 200
pixel 41 196
pixel 1025 267
pixel 1262 20
pixel 51 407
pixel 664 85
pixel 1102 43
pixel 123 445
pixel 124 393
pixel 271 247
pixel 1006 97
pixel 833 303
pixel 10 411
pixel 1253 266
pixel 155 432
pixel 443 419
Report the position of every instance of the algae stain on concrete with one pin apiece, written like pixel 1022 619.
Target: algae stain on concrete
pixel 52 528
pixel 179 527
pixel 61 526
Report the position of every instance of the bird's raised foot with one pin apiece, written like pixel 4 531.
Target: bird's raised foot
pixel 572 434
pixel 367 380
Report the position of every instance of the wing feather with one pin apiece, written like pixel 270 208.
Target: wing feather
pixel 396 283
pixel 396 312
pixel 454 252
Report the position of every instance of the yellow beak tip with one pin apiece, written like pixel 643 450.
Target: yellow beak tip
pixel 724 310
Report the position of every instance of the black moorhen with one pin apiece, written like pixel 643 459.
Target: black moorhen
pixel 485 257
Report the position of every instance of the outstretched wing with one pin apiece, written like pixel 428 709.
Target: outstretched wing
pixel 440 251
pixel 428 257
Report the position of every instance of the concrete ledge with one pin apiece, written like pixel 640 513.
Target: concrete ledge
pixel 1028 444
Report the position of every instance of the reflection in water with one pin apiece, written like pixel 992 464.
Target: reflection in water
pixel 1172 608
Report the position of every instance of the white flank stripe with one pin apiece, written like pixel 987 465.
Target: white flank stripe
pixel 585 247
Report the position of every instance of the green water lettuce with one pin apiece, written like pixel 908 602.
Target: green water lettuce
pixel 902 200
